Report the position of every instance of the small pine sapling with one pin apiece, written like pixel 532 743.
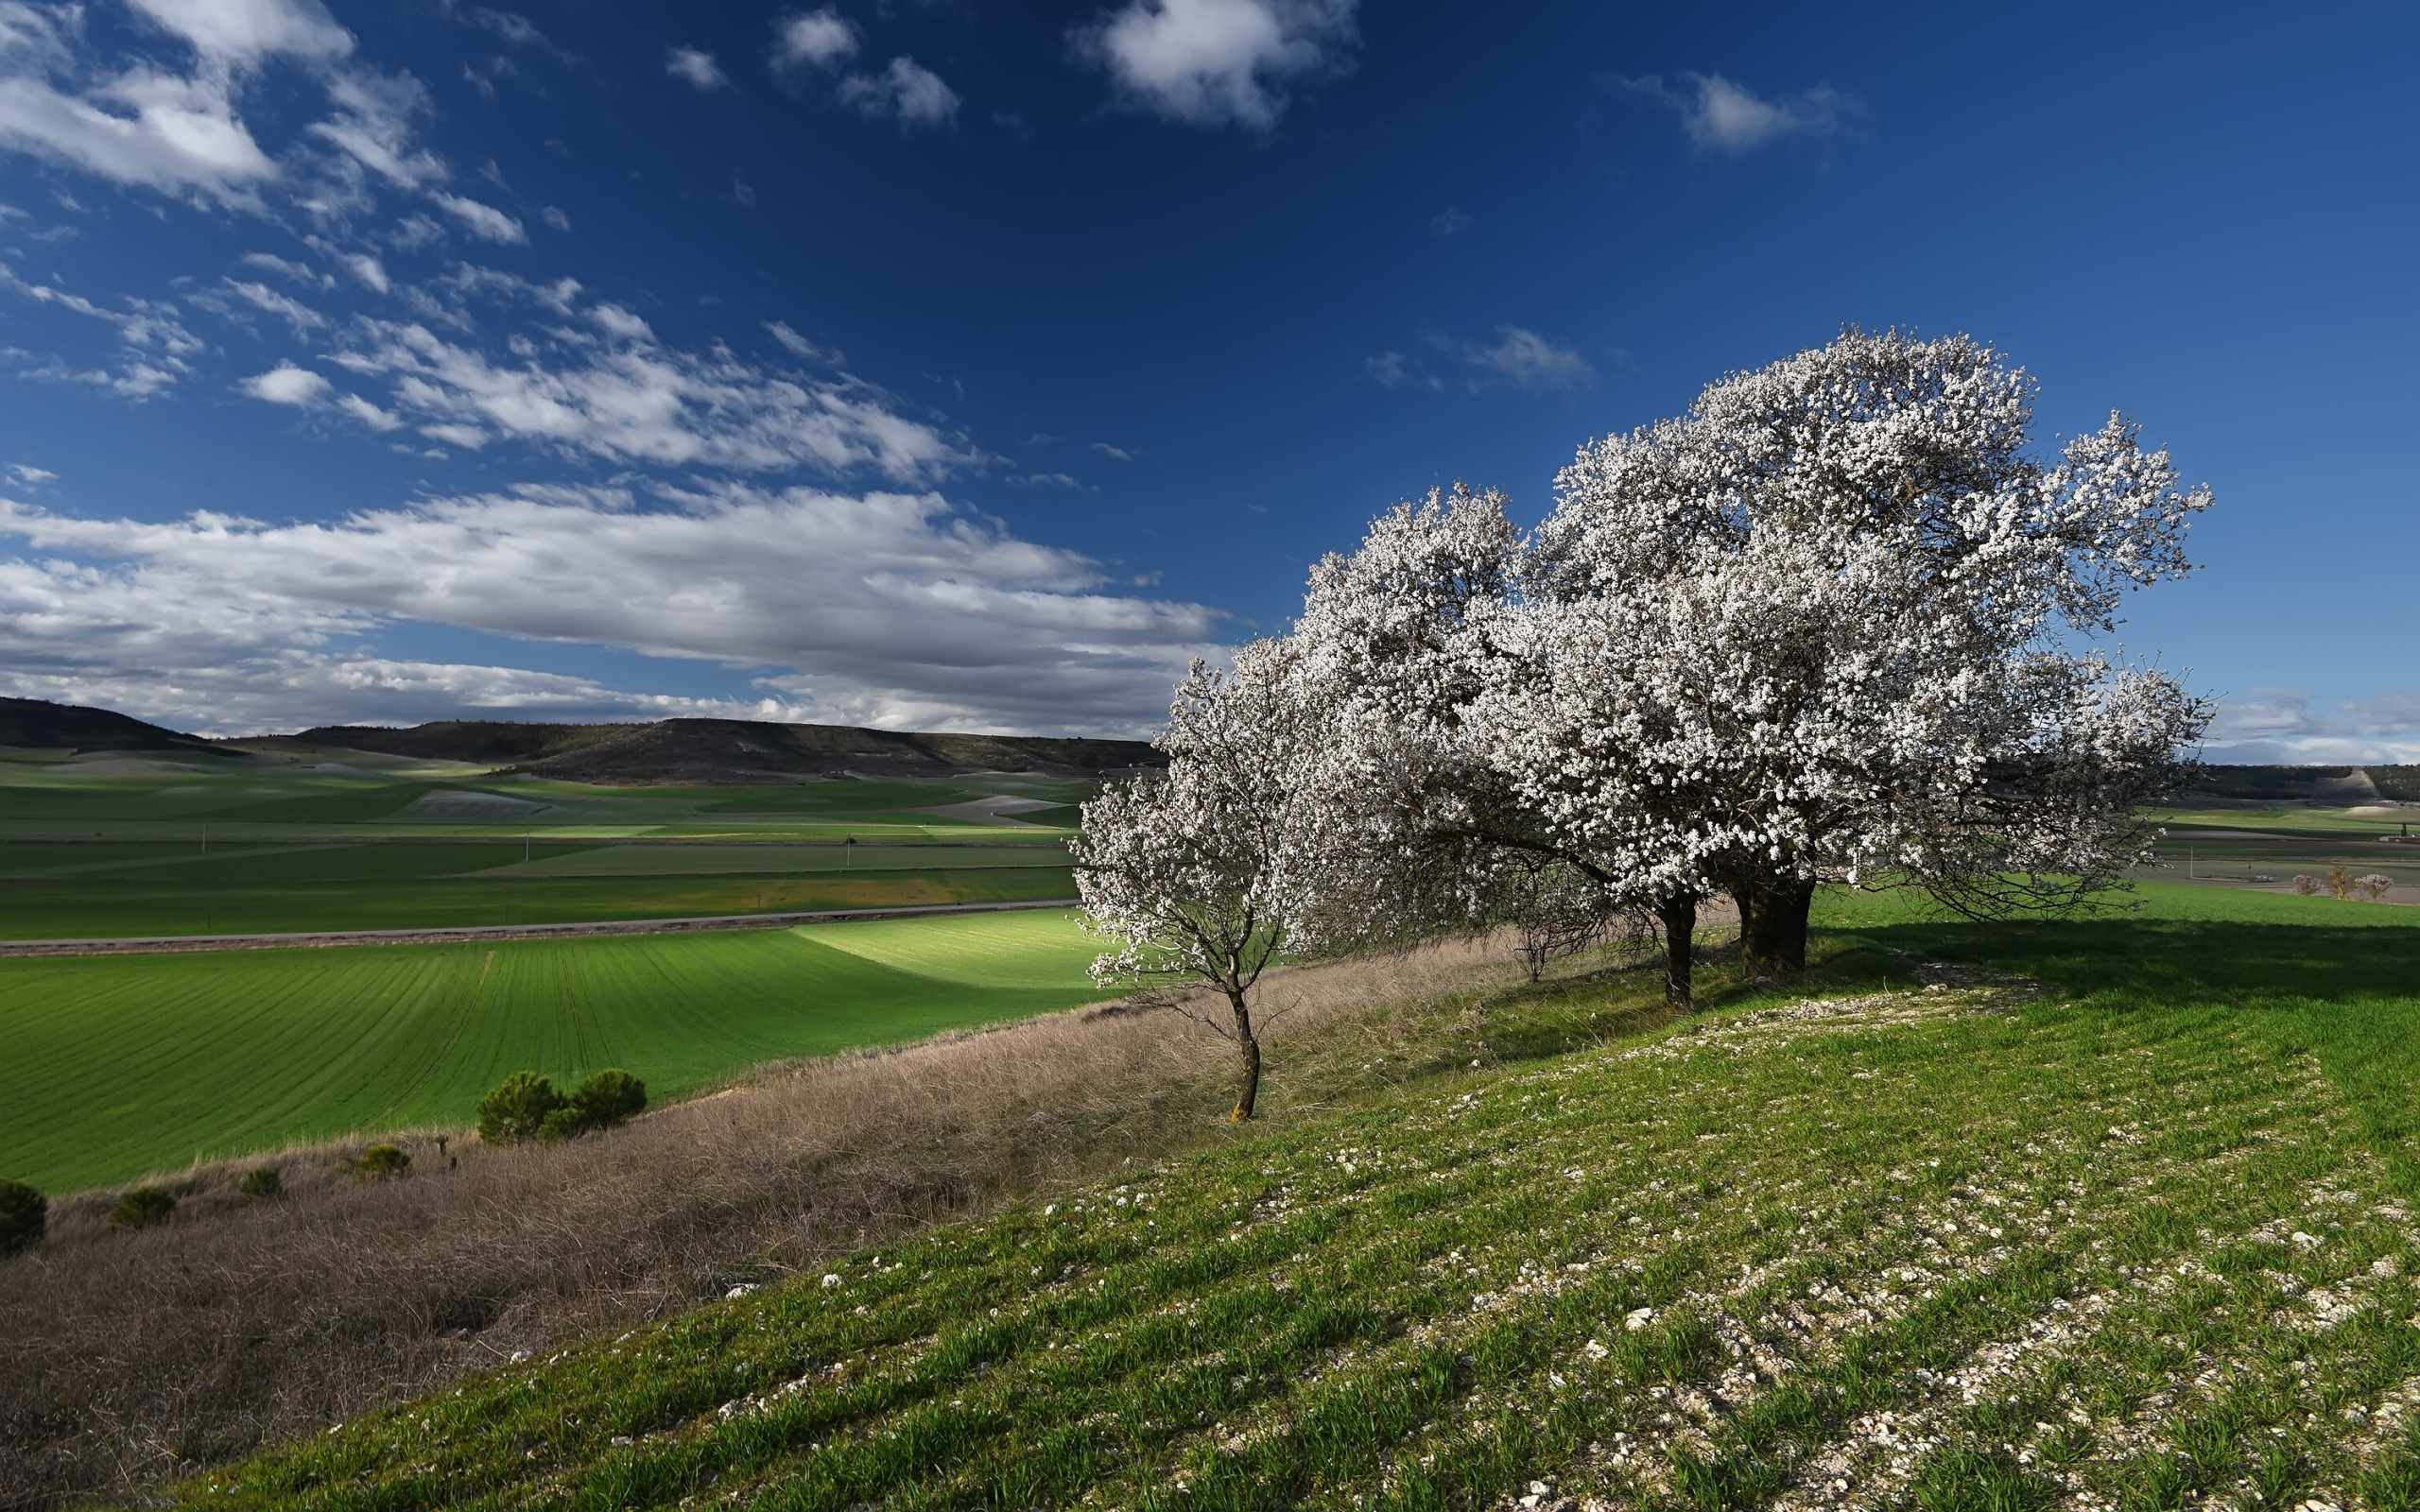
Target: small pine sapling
pixel 517 1110
pixel 380 1161
pixel 25 1213
pixel 610 1097
pixel 142 1207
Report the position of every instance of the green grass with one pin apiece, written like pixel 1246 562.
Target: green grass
pixel 2147 1238
pixel 119 1065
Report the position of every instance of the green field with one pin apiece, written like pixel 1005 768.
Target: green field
pixel 276 840
pixel 2143 1241
pixel 119 1065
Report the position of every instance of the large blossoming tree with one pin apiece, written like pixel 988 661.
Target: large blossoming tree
pixel 1838 604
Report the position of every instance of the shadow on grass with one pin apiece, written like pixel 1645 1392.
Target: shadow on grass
pixel 2172 960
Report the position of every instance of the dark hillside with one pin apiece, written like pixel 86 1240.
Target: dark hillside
pixel 2328 786
pixel 37 724
pixel 467 740
pixel 719 751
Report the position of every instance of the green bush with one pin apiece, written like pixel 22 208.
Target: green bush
pixel 264 1182
pixel 379 1162
pixel 566 1122
pixel 142 1207
pixel 610 1096
pixel 517 1110
pixel 23 1213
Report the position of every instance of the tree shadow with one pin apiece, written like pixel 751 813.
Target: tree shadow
pixel 2167 960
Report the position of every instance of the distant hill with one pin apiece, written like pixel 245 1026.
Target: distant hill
pixel 40 724
pixel 732 750
pixel 2329 786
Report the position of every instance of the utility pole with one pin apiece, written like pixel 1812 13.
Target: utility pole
pixel 205 840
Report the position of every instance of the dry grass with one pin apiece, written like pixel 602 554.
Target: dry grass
pixel 127 1357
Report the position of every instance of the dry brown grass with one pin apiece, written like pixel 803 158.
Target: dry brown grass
pixel 125 1357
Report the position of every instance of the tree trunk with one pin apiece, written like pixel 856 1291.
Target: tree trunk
pixel 1679 915
pixel 1248 1048
pixel 1772 926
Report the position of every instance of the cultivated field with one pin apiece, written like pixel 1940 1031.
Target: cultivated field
pixel 2114 1213
pixel 120 1065
pixel 278 840
pixel 2261 848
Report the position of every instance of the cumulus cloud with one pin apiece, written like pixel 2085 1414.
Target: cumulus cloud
pixel 623 395
pixel 696 68
pixel 886 609
pixel 905 92
pixel 817 39
pixel 1219 62
pixel 286 384
pixel 139 122
pixel 1730 120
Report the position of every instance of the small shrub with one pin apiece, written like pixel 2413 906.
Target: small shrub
pixel 379 1162
pixel 2305 885
pixel 264 1181
pixel 517 1110
pixel 23 1214
pixel 610 1096
pixel 567 1122
pixel 2373 887
pixel 2340 882
pixel 142 1207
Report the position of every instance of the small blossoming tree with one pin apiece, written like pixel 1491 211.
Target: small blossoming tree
pixel 1207 870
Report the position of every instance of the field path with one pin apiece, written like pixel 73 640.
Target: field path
pixel 165 944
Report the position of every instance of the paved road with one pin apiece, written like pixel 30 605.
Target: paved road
pixel 165 944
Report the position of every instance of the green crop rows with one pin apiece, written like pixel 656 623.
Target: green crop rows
pixel 2146 1240
pixel 119 1065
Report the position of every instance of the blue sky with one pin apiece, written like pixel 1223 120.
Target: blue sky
pixel 949 365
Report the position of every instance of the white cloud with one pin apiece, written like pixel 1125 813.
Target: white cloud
pixel 246 31
pixel 293 312
pixel 628 398
pixel 486 222
pixel 888 608
pixel 1729 119
pixel 1529 359
pixel 138 123
pixel 696 68
pixel 154 348
pixel 1219 62
pixel 1449 221
pixel 369 269
pixel 368 413
pixel 286 384
pixel 817 38
pixel 1117 452
pixel 1394 370
pixel 2288 727
pixel 31 476
pixel 798 346
pixel 905 92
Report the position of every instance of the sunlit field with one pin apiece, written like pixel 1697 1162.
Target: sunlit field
pixel 119 1065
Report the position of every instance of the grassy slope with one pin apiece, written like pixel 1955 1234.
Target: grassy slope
pixel 121 1065
pixel 2146 1235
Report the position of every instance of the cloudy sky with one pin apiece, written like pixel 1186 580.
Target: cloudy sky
pixel 930 364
